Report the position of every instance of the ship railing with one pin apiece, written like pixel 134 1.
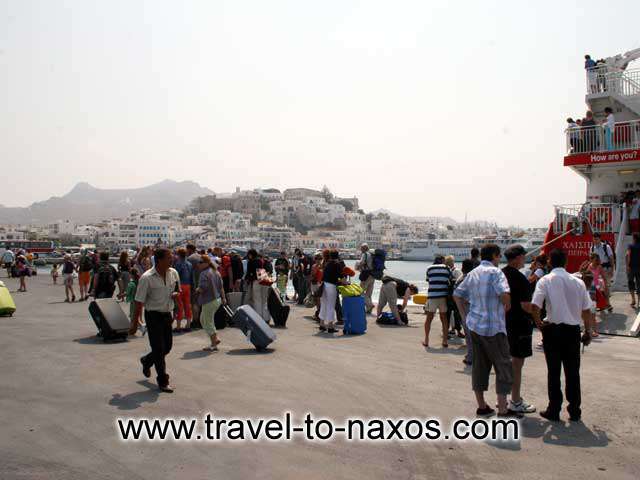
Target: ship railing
pixel 601 217
pixel 625 136
pixel 625 83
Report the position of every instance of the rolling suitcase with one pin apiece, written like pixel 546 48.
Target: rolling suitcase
pixel 277 309
pixel 254 327
pixel 223 316
pixel 112 323
pixel 354 315
pixel 7 305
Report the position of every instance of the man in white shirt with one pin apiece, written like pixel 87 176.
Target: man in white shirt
pixel 567 304
pixel 157 291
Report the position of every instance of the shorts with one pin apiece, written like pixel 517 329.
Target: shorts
pixel 520 343
pixel 68 279
pixel 435 304
pixel 84 278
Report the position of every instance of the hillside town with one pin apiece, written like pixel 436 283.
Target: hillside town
pixel 266 219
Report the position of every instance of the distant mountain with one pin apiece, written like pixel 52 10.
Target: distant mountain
pixel 85 203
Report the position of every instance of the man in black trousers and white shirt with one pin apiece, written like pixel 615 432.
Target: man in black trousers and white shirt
pixel 157 291
pixel 567 303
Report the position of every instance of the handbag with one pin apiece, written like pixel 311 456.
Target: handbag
pixel 364 275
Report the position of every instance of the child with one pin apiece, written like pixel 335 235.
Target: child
pixel 54 273
pixel 130 294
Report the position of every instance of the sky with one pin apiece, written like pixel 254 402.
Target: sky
pixel 420 107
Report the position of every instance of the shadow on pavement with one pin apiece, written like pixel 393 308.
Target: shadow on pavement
pixel 250 351
pixel 575 434
pixel 570 434
pixel 195 354
pixel 132 401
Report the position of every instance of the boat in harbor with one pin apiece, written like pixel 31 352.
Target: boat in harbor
pixel 608 159
pixel 427 249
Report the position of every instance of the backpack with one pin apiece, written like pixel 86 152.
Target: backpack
pixel 85 264
pixel 106 280
pixel 379 257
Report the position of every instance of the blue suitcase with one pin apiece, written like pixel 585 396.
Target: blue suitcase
pixel 258 332
pixel 354 315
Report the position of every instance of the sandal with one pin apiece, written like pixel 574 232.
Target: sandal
pixel 210 348
pixel 425 345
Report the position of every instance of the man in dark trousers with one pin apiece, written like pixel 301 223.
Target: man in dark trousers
pixel 567 302
pixel 158 289
pixel 519 323
pixel 633 268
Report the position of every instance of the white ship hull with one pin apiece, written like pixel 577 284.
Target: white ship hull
pixel 427 250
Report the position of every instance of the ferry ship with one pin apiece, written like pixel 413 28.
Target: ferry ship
pixel 427 249
pixel 609 161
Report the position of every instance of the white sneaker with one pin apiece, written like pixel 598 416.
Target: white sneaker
pixel 521 407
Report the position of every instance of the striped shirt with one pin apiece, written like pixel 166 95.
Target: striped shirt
pixel 482 288
pixel 439 278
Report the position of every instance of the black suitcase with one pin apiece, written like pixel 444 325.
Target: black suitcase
pixel 223 316
pixel 258 332
pixel 112 323
pixel 277 309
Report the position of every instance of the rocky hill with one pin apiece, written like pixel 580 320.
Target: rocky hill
pixel 86 203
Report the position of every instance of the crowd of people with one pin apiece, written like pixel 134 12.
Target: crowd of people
pixel 494 310
pixel 585 135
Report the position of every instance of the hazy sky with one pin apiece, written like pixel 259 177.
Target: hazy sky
pixel 422 107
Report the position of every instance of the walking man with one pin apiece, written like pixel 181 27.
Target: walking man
pixel 439 278
pixel 158 289
pixel 486 290
pixel 519 323
pixel 365 267
pixel 567 302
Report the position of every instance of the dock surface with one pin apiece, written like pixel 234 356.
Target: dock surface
pixel 62 390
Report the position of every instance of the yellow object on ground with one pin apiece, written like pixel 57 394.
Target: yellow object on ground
pixel 420 298
pixel 352 290
pixel 7 306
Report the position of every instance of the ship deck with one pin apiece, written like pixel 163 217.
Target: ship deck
pixel 63 389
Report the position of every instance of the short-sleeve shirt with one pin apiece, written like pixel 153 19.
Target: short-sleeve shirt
pixel 520 288
pixel 401 285
pixel 482 288
pixel 155 292
pixel 185 270
pixel 439 278
pixel 566 297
